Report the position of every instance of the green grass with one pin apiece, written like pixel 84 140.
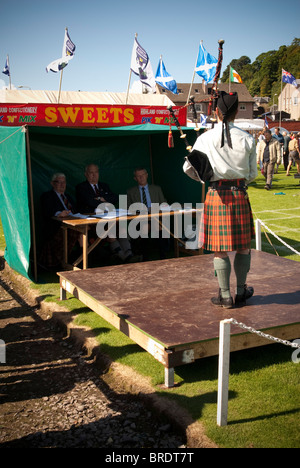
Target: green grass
pixel 264 384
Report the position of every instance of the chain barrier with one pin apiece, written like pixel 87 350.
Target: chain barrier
pixel 264 335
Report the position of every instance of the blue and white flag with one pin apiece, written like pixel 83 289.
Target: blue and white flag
pixel 203 120
pixel 206 64
pixel 289 78
pixel 67 54
pixel 164 79
pixel 141 66
pixel 266 122
pixel 6 69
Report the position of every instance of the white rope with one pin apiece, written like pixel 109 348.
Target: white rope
pixel 278 238
pixel 19 129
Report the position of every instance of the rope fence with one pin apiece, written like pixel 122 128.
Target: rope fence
pixel 258 224
pixel 224 358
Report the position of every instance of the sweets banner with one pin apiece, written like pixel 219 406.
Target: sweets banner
pixel 85 115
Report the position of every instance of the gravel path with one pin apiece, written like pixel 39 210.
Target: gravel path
pixel 51 397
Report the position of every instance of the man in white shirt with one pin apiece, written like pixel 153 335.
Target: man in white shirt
pixel 228 221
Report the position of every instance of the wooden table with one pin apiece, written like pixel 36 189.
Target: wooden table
pixel 83 225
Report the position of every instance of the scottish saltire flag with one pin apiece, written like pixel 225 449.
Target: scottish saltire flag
pixel 234 76
pixel 266 122
pixel 289 78
pixel 67 54
pixel 203 120
pixel 206 64
pixel 164 79
pixel 141 66
pixel 6 69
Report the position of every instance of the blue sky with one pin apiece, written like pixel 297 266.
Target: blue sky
pixel 32 33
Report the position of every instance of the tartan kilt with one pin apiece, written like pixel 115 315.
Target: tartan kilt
pixel 228 221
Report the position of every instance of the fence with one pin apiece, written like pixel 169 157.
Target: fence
pixel 224 358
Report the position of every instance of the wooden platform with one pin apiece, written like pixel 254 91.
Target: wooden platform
pixel 164 306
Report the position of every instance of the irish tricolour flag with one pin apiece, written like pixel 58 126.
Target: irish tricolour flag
pixel 234 76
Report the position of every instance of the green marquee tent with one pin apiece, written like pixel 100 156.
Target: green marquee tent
pixel 30 155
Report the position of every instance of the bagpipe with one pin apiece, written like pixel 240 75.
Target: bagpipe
pixel 197 165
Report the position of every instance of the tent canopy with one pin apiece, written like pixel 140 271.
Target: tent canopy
pixel 26 96
pixel 116 150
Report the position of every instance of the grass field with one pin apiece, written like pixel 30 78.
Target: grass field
pixel 264 384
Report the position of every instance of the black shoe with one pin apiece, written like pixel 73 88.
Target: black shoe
pixel 267 187
pixel 226 302
pixel 240 299
pixel 133 259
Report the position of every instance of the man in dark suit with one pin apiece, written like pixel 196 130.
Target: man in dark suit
pixel 147 194
pixel 89 195
pixel 56 202
pixel 92 192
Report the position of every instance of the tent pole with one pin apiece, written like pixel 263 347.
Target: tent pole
pixel 31 203
pixel 151 161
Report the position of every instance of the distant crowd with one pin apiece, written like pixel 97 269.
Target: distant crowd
pixel 275 149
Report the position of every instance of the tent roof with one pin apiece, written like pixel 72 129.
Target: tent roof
pixel 81 97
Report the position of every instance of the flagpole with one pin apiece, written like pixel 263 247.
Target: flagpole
pixel 190 90
pixel 281 101
pixel 9 77
pixel 135 36
pixel 59 90
pixel 61 71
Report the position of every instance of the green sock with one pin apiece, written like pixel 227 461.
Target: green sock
pixel 241 268
pixel 223 269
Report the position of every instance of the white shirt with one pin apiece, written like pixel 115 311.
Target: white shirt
pixel 238 162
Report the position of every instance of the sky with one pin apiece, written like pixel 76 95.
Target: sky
pixel 32 34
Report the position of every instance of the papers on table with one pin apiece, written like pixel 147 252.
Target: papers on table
pixel 112 214
pixel 79 215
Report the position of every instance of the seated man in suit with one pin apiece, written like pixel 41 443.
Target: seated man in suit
pixel 147 193
pixel 89 195
pixel 56 202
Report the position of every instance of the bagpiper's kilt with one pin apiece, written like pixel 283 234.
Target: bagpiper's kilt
pixel 228 220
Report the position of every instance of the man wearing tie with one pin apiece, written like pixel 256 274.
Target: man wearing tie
pixel 56 202
pixel 90 194
pixel 147 194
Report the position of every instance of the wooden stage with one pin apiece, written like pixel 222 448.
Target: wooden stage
pixel 164 306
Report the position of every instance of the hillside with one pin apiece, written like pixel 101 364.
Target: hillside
pixel 263 76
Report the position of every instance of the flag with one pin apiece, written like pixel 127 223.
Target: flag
pixel 164 79
pixel 234 76
pixel 6 69
pixel 67 54
pixel 206 64
pixel 289 78
pixel 141 66
pixel 203 120
pixel 266 122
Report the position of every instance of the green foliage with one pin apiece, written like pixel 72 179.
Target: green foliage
pixel 263 76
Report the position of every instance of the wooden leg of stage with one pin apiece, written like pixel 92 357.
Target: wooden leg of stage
pixel 169 377
pixel 62 294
